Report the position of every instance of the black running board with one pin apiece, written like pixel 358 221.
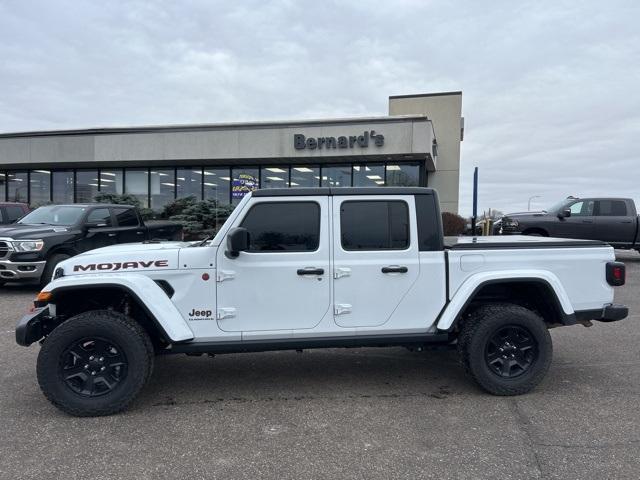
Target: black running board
pixel 412 341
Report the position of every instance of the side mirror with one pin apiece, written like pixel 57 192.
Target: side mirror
pixel 564 213
pixel 238 240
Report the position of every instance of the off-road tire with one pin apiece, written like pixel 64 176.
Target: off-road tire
pixel 481 326
pixel 50 266
pixel 112 326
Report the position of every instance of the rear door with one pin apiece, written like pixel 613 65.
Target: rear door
pixel 129 226
pixel 614 223
pixel 376 258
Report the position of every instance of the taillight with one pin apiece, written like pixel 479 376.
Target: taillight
pixel 616 273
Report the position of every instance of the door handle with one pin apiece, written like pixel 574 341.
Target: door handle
pixel 139 233
pixel 587 221
pixel 311 271
pixel 394 269
pixel 111 234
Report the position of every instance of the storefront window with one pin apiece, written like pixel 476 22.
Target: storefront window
pixel 3 186
pixel 339 176
pixel 86 185
pixel 62 186
pixel 305 177
pixel 163 187
pixel 368 175
pixel 403 175
pixel 111 181
pixel 190 183
pixel 40 187
pixel 217 185
pixel 18 187
pixel 245 180
pixel 136 183
pixel 274 177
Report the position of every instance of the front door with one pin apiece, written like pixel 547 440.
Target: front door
pixel 376 258
pixel 581 223
pixel 100 229
pixel 283 281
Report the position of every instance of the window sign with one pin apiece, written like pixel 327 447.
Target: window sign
pixel 243 183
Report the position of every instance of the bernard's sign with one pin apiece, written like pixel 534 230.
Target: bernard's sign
pixel 300 142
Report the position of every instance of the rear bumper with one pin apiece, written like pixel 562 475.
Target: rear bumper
pixel 609 313
pixel 16 271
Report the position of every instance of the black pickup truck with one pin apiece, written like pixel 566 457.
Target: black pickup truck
pixel 612 220
pixel 31 248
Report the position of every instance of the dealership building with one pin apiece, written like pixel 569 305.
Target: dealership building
pixel 417 143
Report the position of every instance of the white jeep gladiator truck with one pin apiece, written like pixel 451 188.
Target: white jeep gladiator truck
pixel 311 268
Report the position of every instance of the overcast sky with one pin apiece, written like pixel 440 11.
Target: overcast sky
pixel 551 90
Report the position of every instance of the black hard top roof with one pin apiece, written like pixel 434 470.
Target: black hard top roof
pixel 329 191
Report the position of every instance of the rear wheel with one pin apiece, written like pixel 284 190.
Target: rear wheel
pixel 505 348
pixel 95 363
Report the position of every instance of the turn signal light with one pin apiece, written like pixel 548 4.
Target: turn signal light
pixel 43 297
pixel 616 273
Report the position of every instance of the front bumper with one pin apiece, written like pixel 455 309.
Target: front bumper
pixel 31 327
pixel 16 271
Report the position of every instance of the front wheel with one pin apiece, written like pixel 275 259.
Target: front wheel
pixel 95 363
pixel 505 348
pixel 50 267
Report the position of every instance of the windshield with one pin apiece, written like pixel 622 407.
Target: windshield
pixel 556 207
pixel 54 215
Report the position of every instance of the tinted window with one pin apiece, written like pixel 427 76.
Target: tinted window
pixel 374 225
pixel 14 213
pixel 284 226
pixel 100 216
pixel 429 223
pixel 582 208
pixel 612 208
pixel 126 217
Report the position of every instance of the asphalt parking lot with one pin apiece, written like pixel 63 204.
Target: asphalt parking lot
pixel 362 413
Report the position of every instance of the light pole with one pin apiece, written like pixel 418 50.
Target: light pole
pixel 529 203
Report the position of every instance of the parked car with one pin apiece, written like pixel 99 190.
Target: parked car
pixel 611 220
pixel 10 212
pixel 314 268
pixel 31 248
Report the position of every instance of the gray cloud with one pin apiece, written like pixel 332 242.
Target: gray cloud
pixel 549 87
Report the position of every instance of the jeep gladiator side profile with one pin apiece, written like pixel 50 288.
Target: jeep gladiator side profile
pixel 311 268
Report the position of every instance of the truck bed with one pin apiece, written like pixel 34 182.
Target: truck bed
pixel 516 241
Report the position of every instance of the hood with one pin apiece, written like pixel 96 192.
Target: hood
pixel 540 213
pixel 19 231
pixel 125 258
pixel 133 248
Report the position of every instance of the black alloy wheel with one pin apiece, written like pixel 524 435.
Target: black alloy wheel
pixel 93 366
pixel 511 351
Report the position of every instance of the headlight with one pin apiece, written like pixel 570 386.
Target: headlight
pixel 508 222
pixel 28 245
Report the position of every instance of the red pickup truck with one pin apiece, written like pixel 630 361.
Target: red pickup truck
pixel 10 212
